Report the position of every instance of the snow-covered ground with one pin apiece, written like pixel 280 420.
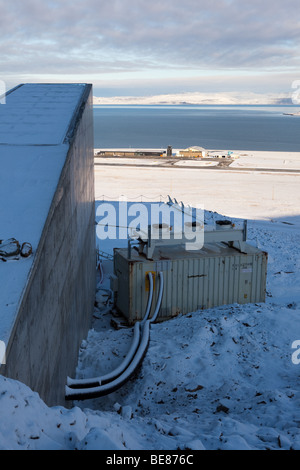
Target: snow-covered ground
pixel 217 379
pixel 225 378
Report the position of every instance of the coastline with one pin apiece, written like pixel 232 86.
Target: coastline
pixel 257 193
pixel 242 158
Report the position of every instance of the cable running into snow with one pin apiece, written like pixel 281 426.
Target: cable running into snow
pixel 94 388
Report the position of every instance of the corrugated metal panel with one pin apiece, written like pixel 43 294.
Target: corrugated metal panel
pixel 213 277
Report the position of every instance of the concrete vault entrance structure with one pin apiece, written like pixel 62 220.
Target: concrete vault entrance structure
pixel 47 199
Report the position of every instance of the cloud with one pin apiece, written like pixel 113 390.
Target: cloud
pixel 101 37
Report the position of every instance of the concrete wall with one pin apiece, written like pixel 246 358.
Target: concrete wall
pixel 55 312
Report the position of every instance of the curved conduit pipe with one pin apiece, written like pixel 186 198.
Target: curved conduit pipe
pixel 102 390
pixel 150 299
pixel 97 381
pixel 160 296
pixel 106 389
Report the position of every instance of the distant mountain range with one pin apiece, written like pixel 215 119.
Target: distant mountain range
pixel 199 98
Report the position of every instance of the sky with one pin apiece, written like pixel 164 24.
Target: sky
pixel 143 48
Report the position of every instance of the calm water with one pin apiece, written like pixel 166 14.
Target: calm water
pixel 212 127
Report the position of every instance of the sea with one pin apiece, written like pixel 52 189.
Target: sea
pixel 212 127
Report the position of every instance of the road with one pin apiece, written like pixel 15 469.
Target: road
pixel 172 163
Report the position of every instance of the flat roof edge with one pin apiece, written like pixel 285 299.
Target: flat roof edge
pixel 8 92
pixel 33 96
pixel 77 114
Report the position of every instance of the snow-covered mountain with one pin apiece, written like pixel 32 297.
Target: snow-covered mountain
pixel 198 98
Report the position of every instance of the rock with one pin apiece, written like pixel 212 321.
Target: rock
pixel 126 412
pixel 222 409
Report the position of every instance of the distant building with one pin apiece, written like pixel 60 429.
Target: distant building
pixel 193 152
pixel 169 151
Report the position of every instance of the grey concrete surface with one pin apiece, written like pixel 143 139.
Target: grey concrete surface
pixel 56 307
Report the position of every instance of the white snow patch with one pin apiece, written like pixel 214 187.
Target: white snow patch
pixel 216 379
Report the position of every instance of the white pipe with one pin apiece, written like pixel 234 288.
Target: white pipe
pixel 106 389
pixel 95 392
pixel 150 298
pixel 82 383
pixel 115 373
pixel 160 295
